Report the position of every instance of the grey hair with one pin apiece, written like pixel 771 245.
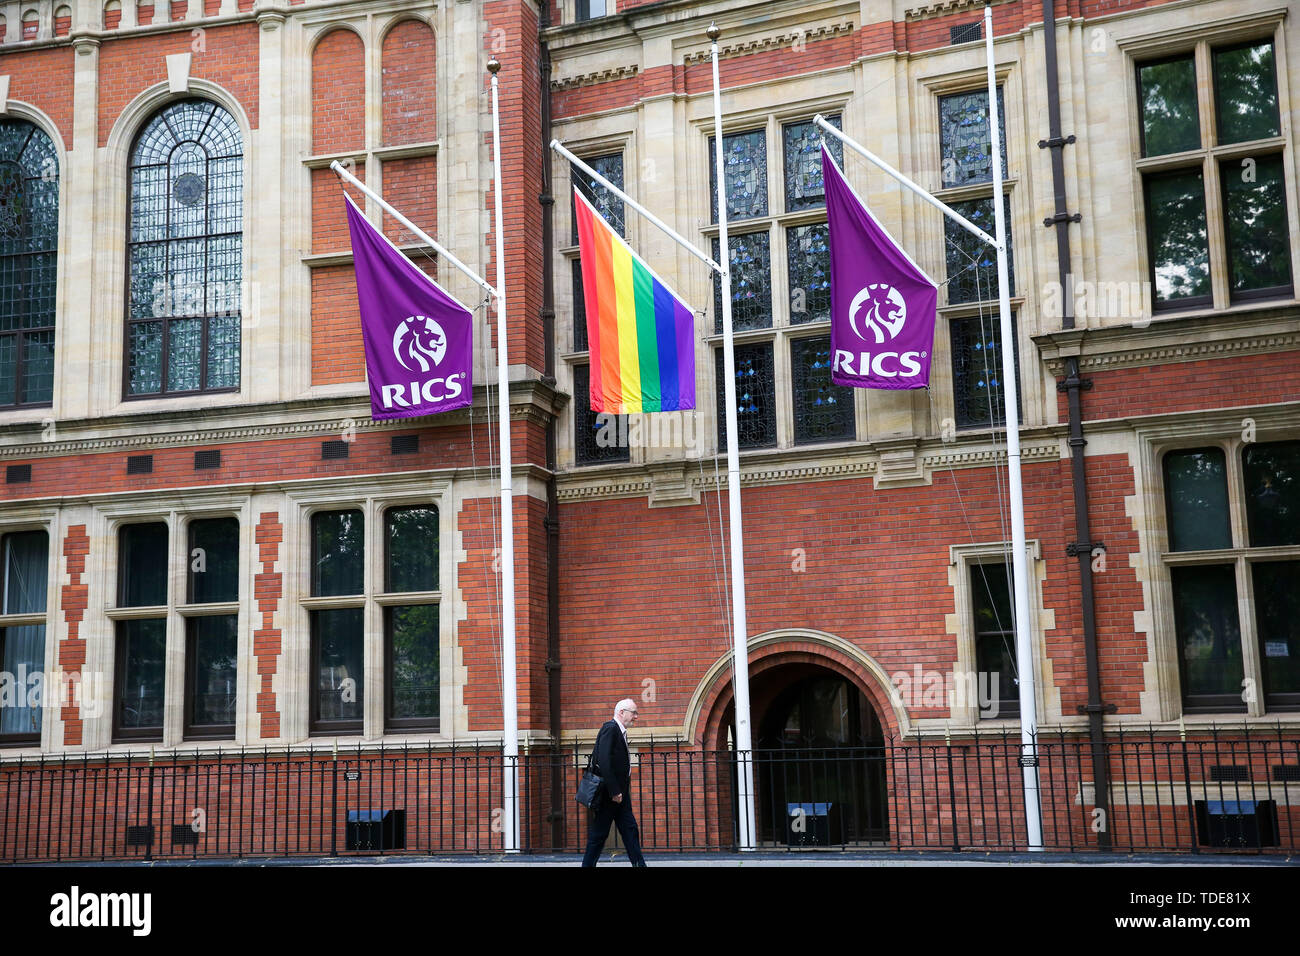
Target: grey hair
pixel 626 702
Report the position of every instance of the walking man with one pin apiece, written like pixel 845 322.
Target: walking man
pixel 615 766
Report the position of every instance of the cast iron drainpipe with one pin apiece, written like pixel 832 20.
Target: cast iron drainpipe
pixel 1083 545
pixel 552 521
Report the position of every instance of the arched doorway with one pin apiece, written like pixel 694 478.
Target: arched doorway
pixel 819 758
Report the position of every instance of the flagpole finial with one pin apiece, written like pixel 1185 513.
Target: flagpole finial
pixel 493 65
pixel 714 32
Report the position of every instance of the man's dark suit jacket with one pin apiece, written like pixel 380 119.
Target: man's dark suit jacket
pixel 612 758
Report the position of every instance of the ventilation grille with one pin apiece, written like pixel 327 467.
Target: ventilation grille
pixel 18 474
pixel 1229 773
pixel 139 464
pixel 184 835
pixel 139 836
pixel 333 449
pixel 404 444
pixel 210 458
pixel 1286 773
pixel 966 32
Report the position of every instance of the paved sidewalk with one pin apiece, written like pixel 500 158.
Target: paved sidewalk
pixel 729 859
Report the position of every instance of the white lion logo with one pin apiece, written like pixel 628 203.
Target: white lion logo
pixel 887 312
pixel 419 338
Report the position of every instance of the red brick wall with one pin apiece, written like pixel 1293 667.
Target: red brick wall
pixel 44 79
pixel 62 25
pixel 72 649
pixel 128 65
pixel 178 8
pixel 409 84
pixel 521 151
pixel 1188 386
pixel 876 576
pixel 112 18
pixel 144 14
pixel 268 588
pixel 336 347
pixel 411 185
pixel 329 216
pixel 211 7
pixel 338 93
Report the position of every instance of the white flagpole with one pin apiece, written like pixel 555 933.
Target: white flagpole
pixel 740 649
pixel 509 699
pixel 1015 492
pixel 1011 388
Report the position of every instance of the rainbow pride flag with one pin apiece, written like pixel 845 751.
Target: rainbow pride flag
pixel 641 336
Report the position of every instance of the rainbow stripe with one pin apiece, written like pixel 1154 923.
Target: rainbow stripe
pixel 640 335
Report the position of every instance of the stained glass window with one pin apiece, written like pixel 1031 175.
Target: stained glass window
pixel 744 164
pixel 597 438
pixel 751 282
pixel 755 397
pixel 978 398
pixel 822 411
pixel 972 262
pixel 808 253
pixel 185 252
pixel 803 162
pixel 29 235
pixel 966 152
pixel 607 203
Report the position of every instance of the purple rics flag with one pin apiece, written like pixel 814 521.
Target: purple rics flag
pixel 419 340
pixel 882 304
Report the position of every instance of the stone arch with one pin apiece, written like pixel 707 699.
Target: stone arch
pixel 773 649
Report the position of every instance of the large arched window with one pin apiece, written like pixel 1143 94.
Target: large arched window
pixel 185 250
pixel 29 236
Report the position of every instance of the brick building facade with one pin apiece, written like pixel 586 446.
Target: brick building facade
pixel 202 523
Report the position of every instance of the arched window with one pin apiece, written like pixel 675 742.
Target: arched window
pixel 29 236
pixel 184 252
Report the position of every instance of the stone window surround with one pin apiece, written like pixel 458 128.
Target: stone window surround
pixel 961 624
pixel 1199 39
pixel 1222 430
pixel 298 604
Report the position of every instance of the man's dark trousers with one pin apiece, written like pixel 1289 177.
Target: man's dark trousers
pixel 620 814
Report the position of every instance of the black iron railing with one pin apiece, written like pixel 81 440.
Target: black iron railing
pixel 1220 791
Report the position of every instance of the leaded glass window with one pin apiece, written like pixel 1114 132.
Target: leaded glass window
pixel 29 236
pixel 597 438
pixel 1196 499
pixel 755 397
pixel 579 309
pixel 965 148
pixel 744 164
pixel 802 144
pixel 185 252
pixel 822 411
pixel 751 282
pixel 972 262
pixel 808 253
pixel 978 397
pixel 607 203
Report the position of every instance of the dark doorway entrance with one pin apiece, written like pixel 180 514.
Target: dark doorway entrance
pixel 819 760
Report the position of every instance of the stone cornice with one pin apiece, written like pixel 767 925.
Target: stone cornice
pixel 590 79
pixel 667 484
pixel 530 400
pixel 1184 338
pixel 759 44
pixel 945 7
